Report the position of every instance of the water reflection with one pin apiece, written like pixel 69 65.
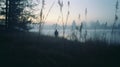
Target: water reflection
pixel 101 34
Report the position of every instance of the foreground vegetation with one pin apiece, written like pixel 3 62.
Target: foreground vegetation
pixel 32 50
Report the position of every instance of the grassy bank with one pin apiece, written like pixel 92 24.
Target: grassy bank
pixel 32 50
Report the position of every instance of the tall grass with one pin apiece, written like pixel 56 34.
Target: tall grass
pixel 79 28
pixel 116 16
pixel 60 3
pixel 64 24
pixel 85 35
pixel 49 11
pixel 67 17
pixel 41 16
pixel 104 33
pixel 115 20
pixel 74 31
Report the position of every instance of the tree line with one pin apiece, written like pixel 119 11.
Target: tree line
pixel 15 13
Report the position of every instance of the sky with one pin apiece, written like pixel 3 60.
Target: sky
pixel 102 10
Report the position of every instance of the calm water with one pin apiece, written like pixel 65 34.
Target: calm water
pixel 100 34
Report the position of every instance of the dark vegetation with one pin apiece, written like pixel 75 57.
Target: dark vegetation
pixel 27 49
pixel 20 48
pixel 14 14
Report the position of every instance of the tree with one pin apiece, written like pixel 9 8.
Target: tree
pixel 2 11
pixel 14 12
pixel 2 7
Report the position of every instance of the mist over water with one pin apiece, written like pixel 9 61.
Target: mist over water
pixel 100 34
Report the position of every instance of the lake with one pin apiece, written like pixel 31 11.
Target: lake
pixel 101 34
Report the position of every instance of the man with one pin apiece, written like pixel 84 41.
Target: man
pixel 56 33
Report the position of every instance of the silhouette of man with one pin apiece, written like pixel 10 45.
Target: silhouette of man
pixel 56 33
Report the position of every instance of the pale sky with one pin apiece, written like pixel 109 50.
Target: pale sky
pixel 102 10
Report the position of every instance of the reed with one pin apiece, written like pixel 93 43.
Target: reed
pixel 60 3
pixel 85 35
pixel 115 20
pixel 41 16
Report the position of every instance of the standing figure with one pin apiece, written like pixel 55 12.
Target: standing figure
pixel 56 33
